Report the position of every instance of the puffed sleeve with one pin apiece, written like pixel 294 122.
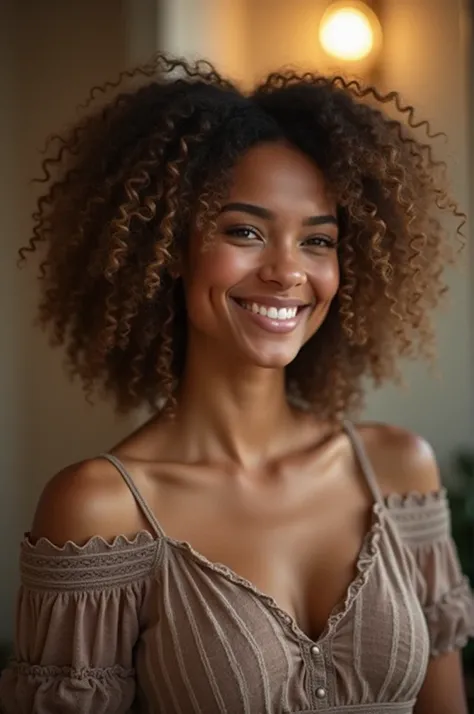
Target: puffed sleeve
pixel 78 619
pixel 445 593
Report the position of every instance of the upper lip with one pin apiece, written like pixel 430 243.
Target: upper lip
pixel 272 300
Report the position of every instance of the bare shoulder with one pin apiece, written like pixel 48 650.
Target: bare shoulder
pixel 83 500
pixel 403 460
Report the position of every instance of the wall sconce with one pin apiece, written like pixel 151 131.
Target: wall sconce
pixel 350 31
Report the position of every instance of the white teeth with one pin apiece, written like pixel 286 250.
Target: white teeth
pixel 274 313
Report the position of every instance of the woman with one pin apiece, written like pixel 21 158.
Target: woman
pixel 241 263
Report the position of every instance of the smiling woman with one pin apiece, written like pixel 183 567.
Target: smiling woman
pixel 241 263
pixel 272 255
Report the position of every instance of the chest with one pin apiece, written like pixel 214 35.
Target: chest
pixel 301 547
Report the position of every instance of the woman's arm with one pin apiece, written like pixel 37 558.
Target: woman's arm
pixel 79 602
pixel 443 689
pixel 406 465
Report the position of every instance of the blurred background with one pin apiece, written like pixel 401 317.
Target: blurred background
pixel 53 52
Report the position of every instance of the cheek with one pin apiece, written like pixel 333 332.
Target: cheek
pixel 211 273
pixel 216 268
pixel 324 279
pixel 219 266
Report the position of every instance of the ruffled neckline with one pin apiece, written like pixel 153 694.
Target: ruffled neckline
pixel 364 564
pixel 144 539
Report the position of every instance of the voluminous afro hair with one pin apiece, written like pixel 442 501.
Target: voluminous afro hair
pixel 125 185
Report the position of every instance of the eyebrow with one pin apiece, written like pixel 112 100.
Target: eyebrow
pixel 265 213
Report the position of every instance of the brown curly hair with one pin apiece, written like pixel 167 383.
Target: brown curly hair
pixel 127 182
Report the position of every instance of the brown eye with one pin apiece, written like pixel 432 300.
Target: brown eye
pixel 244 233
pixel 320 242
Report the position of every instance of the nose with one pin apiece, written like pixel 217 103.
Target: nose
pixel 282 267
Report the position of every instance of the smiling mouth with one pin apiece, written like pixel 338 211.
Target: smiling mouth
pixel 272 318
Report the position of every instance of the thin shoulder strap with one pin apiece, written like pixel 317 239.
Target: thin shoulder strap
pixel 145 508
pixel 364 461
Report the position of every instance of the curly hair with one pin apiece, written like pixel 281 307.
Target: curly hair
pixel 126 183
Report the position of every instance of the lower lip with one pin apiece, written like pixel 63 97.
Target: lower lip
pixel 279 326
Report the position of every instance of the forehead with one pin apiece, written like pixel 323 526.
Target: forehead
pixel 278 175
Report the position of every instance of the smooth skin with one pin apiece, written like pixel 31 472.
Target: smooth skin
pixel 247 479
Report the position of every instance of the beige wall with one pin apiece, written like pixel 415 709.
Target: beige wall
pixel 52 52
pixel 210 29
pixel 285 33
pixel 426 58
pixel 12 313
pixel 246 38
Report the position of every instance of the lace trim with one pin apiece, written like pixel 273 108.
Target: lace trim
pixel 70 581
pixel 421 518
pixel 366 559
pixel 415 499
pixel 95 544
pixel 53 672
pixel 97 563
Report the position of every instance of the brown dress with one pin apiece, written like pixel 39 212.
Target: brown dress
pixel 150 625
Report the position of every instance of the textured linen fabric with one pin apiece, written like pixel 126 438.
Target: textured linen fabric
pixel 149 625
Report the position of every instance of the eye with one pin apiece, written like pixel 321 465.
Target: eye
pixel 320 242
pixel 243 233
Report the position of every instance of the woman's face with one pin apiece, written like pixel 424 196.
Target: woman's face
pixel 264 285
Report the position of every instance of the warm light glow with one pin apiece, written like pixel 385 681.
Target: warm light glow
pixel 348 31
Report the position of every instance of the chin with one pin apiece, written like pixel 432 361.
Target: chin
pixel 268 358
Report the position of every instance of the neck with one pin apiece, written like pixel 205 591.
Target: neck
pixel 232 412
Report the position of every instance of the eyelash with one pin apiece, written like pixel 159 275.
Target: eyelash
pixel 237 233
pixel 328 242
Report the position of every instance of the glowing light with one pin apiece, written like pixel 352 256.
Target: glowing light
pixel 349 31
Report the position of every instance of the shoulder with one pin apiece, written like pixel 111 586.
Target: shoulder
pixel 83 500
pixel 402 460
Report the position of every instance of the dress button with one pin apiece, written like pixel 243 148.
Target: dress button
pixel 315 650
pixel 320 692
